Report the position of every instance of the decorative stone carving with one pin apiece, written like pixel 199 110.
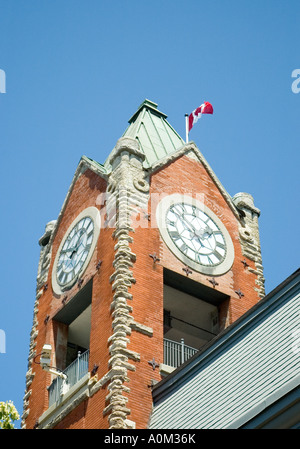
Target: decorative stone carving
pixel 141 184
pixel 45 254
pixel 130 188
pixel 42 276
pixel 249 236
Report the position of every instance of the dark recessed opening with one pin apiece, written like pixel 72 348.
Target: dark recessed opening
pixel 45 240
pixel 193 288
pixel 76 305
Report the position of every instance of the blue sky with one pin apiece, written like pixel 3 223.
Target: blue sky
pixel 76 72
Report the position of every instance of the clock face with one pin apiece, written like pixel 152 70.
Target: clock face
pixel 195 234
pixel 76 249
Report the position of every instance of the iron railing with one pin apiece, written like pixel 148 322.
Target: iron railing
pixel 175 354
pixel 74 372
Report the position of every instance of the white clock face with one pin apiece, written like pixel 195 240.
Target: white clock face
pixel 195 234
pixel 76 249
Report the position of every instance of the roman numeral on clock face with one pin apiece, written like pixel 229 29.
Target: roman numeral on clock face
pixel 75 251
pixel 195 234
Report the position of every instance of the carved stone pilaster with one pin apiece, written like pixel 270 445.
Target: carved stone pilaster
pixel 42 276
pixel 45 254
pixel 249 236
pixel 130 190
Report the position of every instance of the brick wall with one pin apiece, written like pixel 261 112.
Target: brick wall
pixel 184 175
pixel 84 194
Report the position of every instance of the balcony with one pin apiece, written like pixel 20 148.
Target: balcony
pixel 175 354
pixel 74 372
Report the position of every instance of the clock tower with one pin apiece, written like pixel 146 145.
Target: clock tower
pixel 149 259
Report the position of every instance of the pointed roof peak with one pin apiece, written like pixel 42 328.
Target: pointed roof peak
pixel 150 105
pixel 156 137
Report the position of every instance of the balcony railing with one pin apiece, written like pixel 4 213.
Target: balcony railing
pixel 175 353
pixel 74 372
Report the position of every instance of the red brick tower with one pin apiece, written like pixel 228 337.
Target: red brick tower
pixel 149 259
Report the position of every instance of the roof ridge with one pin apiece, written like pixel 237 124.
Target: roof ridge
pixel 148 104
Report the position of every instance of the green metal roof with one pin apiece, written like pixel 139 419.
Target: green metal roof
pixel 155 135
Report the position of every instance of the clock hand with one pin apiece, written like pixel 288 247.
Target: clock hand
pixel 72 254
pixel 79 244
pixel 70 258
pixel 75 248
pixel 67 250
pixel 187 225
pixel 204 233
pixel 73 251
pixel 75 240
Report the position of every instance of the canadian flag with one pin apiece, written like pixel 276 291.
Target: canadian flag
pixel 205 108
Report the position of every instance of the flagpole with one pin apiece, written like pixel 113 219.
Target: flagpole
pixel 186 128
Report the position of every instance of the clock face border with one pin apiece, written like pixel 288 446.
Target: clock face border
pixel 94 214
pixel 161 213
